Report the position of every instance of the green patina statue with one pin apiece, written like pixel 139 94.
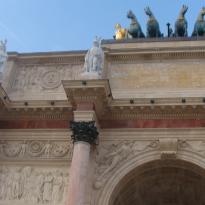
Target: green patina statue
pixel 199 27
pixel 134 30
pixel 181 24
pixel 153 30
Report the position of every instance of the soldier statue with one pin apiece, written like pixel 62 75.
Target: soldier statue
pixel 94 58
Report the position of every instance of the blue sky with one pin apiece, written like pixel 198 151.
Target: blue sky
pixel 61 25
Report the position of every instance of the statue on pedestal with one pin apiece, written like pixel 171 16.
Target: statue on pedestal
pixel 3 57
pixel 94 60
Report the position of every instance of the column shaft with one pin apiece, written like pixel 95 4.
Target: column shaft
pixel 78 174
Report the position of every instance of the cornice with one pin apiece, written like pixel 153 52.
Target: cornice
pixel 32 104
pixel 150 133
pixel 130 57
pixel 128 51
pixel 106 107
pixel 44 134
pixel 157 43
pixel 72 57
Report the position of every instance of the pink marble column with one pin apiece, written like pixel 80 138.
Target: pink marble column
pixel 78 173
pixel 84 135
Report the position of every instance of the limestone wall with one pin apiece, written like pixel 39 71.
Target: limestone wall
pixel 134 70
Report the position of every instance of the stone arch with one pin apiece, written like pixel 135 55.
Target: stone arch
pixel 116 177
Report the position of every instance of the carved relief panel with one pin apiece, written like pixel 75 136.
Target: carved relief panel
pixel 36 80
pixel 35 149
pixel 114 154
pixel 31 185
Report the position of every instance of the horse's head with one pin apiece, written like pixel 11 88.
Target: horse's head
pixel 183 10
pixel 202 12
pixel 148 11
pixel 130 15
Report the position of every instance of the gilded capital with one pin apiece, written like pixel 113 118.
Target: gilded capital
pixel 84 131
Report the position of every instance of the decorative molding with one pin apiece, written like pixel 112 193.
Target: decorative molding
pixel 35 145
pixel 141 134
pixel 48 58
pixel 22 150
pixel 130 58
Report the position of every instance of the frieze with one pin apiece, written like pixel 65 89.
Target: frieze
pixel 42 78
pixel 33 185
pixel 35 149
pixel 37 114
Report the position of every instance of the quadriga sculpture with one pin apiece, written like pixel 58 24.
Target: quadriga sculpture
pixel 199 27
pixel 134 30
pixel 181 24
pixel 153 30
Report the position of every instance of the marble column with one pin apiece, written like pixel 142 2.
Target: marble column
pixel 84 135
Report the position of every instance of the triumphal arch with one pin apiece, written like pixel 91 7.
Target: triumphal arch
pixel 120 124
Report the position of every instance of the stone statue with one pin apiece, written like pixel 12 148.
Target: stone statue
pixel 3 57
pixel 181 24
pixel 94 58
pixel 153 30
pixel 134 30
pixel 199 27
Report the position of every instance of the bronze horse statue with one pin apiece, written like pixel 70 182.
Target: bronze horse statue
pixel 153 30
pixel 181 24
pixel 134 30
pixel 199 27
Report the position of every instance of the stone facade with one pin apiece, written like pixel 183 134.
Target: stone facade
pixel 140 126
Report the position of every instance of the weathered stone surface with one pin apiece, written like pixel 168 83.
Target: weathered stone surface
pixel 33 185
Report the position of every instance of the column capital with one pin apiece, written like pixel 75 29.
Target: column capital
pixel 84 131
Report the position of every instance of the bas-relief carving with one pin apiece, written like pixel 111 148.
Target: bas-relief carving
pixel 33 185
pixel 38 78
pixel 197 146
pixel 157 75
pixel 38 149
pixel 111 156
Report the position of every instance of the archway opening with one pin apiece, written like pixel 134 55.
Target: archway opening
pixel 162 182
